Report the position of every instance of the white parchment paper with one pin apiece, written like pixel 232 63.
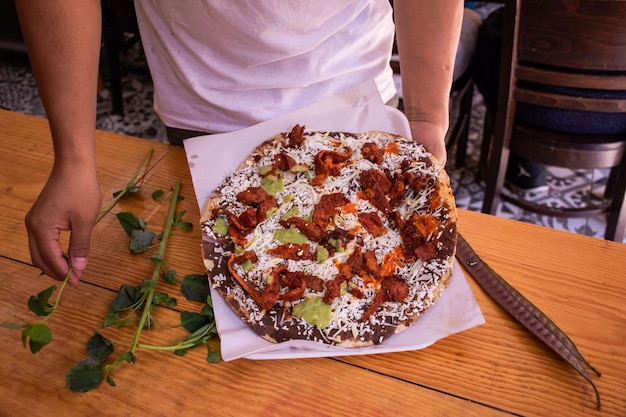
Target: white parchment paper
pixel 211 158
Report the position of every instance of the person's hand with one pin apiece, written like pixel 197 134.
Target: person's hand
pixel 70 200
pixel 432 137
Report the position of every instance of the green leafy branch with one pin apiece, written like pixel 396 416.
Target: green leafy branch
pixel 130 187
pixel 141 301
pixel 157 258
pixel 38 334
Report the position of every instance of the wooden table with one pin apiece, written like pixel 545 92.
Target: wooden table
pixel 496 369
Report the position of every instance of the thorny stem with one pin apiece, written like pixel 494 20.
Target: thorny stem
pixel 158 257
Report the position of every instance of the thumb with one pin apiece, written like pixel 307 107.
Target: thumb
pixel 78 253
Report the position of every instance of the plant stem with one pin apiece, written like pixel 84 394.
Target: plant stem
pixel 166 348
pixel 189 342
pixel 157 257
pixel 65 281
pixel 57 300
pixel 129 187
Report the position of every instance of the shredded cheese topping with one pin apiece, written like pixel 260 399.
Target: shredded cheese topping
pixel 298 193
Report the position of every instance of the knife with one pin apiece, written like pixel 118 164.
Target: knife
pixel 524 311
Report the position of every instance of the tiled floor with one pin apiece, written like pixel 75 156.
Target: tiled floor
pixel 18 93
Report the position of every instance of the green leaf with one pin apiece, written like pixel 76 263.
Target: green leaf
pixel 37 335
pixel 181 352
pixel 85 375
pixel 35 346
pixel 186 226
pixel 39 304
pixel 195 287
pixel 111 319
pixel 35 306
pixel 157 259
pixel 99 347
pixel 179 216
pixel 110 380
pixel 214 356
pixel 45 295
pixel 146 285
pixel 126 298
pixel 130 222
pixel 158 194
pixel 25 335
pixel 207 331
pixel 141 240
pixel 193 321
pixel 169 276
pixel 128 357
pixel 164 299
pixel 178 221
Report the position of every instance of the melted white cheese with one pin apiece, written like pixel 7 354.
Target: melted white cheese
pixel 297 192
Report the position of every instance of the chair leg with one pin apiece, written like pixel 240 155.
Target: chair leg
pixel 465 111
pixel 494 181
pixel 460 99
pixel 616 217
pixel 485 146
pixel 610 183
pixel 498 159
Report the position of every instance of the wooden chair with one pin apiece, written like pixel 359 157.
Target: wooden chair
pixel 562 43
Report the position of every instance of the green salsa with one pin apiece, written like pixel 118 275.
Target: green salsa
pixel 293 212
pixel 247 265
pixel 272 184
pixel 314 312
pixel 322 254
pixel 220 226
pixel 265 169
pixel 291 235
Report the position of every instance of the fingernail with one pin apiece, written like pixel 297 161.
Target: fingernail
pixel 79 263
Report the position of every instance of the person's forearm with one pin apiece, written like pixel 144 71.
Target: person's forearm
pixel 428 34
pixel 63 42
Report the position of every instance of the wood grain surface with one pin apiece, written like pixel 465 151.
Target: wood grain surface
pixel 496 369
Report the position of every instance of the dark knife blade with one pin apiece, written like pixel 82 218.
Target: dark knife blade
pixel 523 311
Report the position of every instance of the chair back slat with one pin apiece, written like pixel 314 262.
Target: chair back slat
pixel 585 35
pixel 542 98
pixel 571 79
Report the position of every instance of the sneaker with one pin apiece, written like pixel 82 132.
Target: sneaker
pixel 526 178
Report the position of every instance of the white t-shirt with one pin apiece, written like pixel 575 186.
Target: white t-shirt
pixel 223 65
